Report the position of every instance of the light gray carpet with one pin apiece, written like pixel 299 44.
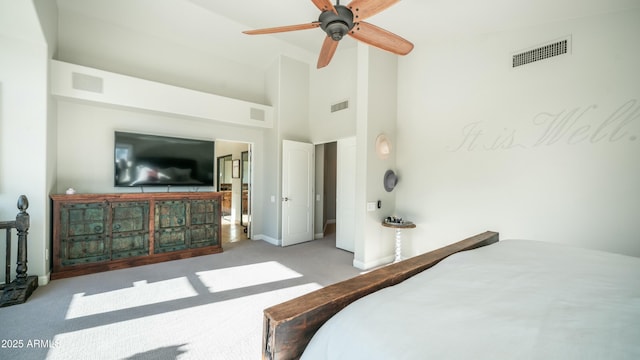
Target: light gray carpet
pixel 208 307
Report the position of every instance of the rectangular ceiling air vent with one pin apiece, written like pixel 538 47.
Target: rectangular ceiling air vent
pixel 540 53
pixel 256 114
pixel 340 106
pixel 86 82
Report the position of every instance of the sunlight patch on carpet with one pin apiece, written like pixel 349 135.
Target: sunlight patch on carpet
pixel 238 277
pixel 229 329
pixel 140 294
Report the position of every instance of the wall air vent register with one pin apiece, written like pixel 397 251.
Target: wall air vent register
pixel 543 52
pixel 340 106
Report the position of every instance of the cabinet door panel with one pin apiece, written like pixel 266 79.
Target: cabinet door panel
pixel 119 230
pixel 130 229
pixel 203 212
pixel 129 245
pixel 83 233
pixel 170 240
pixel 171 214
pixel 170 231
pixel 204 223
pixel 204 236
pixel 130 216
pixel 85 250
pixel 83 219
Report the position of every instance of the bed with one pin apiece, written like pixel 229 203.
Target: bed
pixel 510 299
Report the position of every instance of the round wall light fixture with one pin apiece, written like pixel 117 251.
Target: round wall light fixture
pixel 390 180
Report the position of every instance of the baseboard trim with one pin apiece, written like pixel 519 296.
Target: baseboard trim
pixel 268 239
pixel 44 279
pixel 373 264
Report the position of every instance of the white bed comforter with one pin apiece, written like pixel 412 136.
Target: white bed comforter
pixel 512 300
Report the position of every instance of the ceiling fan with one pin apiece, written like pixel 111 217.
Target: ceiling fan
pixel 339 20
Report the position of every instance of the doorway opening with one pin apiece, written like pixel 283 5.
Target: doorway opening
pixel 335 168
pixel 234 181
pixel 329 189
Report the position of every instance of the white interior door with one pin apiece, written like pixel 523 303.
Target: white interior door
pixel 298 179
pixel 346 194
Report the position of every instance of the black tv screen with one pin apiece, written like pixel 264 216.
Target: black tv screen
pixel 152 160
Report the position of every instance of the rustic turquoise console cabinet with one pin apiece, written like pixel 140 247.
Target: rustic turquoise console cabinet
pixel 101 232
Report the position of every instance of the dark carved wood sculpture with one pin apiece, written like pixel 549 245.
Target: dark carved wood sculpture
pixel 19 290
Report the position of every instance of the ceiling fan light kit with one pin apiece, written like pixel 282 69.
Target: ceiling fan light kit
pixel 336 25
pixel 338 20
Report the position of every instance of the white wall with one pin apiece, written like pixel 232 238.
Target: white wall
pixel 292 123
pixel 75 146
pixel 154 50
pixel 85 141
pixel 376 114
pixel 329 85
pixel 85 149
pixel 547 151
pixel 456 100
pixel 270 182
pixel 23 125
pixel 367 78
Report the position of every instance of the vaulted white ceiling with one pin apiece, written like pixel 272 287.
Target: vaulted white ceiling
pixel 218 24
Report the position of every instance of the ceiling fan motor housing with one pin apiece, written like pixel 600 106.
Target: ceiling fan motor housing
pixel 336 25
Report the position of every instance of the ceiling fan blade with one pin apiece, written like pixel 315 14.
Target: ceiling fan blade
pixel 380 38
pixel 324 5
pixel 280 29
pixel 363 9
pixel 329 47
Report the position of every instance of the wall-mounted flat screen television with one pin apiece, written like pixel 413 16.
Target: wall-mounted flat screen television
pixel 152 160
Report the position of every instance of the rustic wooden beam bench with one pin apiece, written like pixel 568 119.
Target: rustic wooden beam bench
pixel 289 326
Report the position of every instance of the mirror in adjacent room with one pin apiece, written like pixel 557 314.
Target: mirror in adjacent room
pixel 225 165
pixel 245 170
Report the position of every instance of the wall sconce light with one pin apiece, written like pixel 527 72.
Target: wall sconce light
pixel 383 146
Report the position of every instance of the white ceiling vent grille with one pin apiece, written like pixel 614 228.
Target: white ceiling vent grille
pixel 543 52
pixel 340 106
pixel 256 114
pixel 86 82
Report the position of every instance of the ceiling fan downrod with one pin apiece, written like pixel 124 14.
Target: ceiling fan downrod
pixel 336 25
